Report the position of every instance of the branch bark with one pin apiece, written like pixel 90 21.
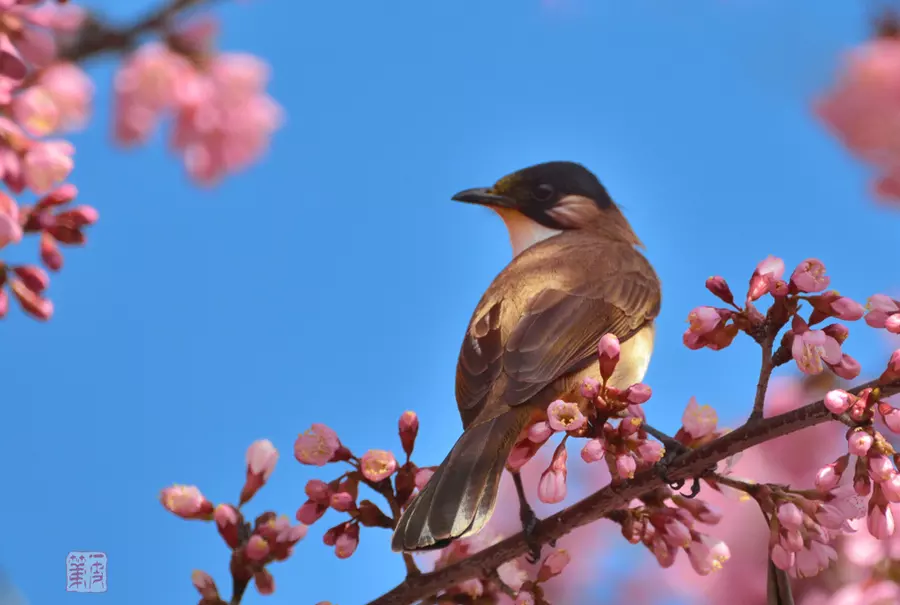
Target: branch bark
pixel 97 36
pixel 613 497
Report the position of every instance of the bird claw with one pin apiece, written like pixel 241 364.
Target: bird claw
pixel 662 469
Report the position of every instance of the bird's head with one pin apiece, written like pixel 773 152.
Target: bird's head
pixel 543 200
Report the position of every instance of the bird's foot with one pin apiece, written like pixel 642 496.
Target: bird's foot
pixel 529 528
pixel 674 449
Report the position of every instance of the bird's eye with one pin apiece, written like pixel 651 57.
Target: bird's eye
pixel 542 193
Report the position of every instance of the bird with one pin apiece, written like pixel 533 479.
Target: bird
pixel 576 274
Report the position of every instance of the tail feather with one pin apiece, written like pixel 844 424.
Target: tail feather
pixel 460 497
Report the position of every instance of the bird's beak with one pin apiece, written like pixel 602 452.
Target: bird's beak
pixel 484 197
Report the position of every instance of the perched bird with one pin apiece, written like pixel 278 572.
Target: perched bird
pixel 575 276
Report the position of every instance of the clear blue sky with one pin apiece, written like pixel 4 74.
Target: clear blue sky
pixel 197 322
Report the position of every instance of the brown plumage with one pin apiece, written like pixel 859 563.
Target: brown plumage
pixel 532 339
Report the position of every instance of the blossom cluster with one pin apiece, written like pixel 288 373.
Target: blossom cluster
pixel 221 115
pixel 270 538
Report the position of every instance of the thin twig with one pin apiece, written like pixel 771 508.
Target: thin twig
pixel 765 372
pixel 98 37
pixel 613 497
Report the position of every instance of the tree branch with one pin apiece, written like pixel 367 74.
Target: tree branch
pixel 97 37
pixel 603 502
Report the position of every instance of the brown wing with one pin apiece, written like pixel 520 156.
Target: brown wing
pixel 557 333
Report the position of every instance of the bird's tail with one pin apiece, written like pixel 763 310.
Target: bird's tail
pixel 460 497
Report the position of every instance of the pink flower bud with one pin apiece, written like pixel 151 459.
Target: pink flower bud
pixel 859 443
pixel 827 479
pixel 553 565
pixel 30 301
pixel 316 446
pixel 792 540
pixel 790 516
pixel 650 452
pixel 552 485
pixel 880 521
pixel 346 543
pixel 187 502
pixel 892 323
pixel 343 502
pixel 677 534
pixel 719 287
pixel 638 393
pixel 265 582
pixel 608 350
pixel 318 491
pixel 422 477
pixel 261 459
pixel 847 309
pixel 881 468
pixel 782 558
pixel 839 332
pixel 34 278
pixel 540 432
pixel 590 388
pixel 809 276
pixel 891 488
pixel 847 368
pixel 205 585
pixel 50 253
pixel 767 272
pixel 625 466
pixel 378 465
pixel 228 521
pixel 862 485
pixel 892 420
pixel 593 451
pixel 409 429
pixel 838 401
pixel 257 548
pixel 565 416
pixel 310 512
pixel 892 372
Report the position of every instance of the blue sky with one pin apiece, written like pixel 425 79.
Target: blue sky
pixel 198 321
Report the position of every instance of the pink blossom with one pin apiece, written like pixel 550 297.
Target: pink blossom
pixel 699 421
pixel 187 502
pixel 782 558
pixel 813 347
pixel 565 416
pixel 892 372
pixel 343 502
pixel 378 465
pixel 767 272
pixel 847 368
pixel 552 485
pixel 892 420
pixel 703 320
pixel 422 477
pixel 847 309
pixel 71 92
pixel 677 534
pixel 880 308
pixel 809 276
pixel 608 350
pixel 859 443
pixel 524 598
pixel 891 488
pixel 317 445
pixel 590 388
pixel 827 478
pixel 706 559
pixel 35 110
pixel 47 164
pixel 261 459
pixel 311 511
